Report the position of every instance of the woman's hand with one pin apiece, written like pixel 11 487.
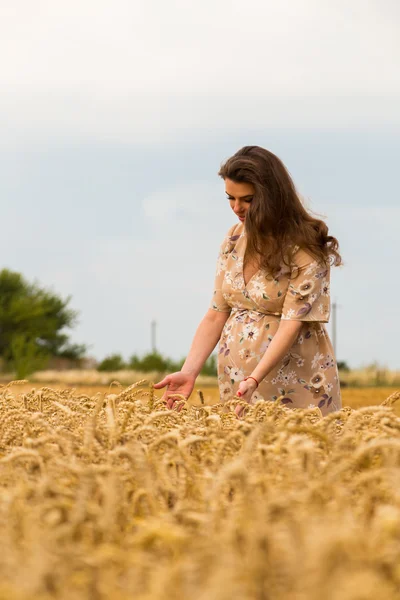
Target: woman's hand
pixel 245 391
pixel 177 383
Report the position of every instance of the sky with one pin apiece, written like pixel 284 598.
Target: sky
pixel 116 116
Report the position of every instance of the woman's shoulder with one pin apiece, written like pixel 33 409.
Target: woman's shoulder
pixel 302 258
pixel 235 231
pixel 232 235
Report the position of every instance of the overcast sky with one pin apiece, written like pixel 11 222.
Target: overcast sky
pixel 115 117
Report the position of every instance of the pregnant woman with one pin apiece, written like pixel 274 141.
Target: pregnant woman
pixel 271 296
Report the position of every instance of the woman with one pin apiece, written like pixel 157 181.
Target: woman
pixel 271 296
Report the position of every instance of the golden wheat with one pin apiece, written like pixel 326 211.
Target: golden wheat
pixel 113 496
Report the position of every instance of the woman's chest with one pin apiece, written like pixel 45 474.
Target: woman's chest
pixel 250 269
pixel 246 282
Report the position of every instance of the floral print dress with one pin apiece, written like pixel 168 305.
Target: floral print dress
pixel 307 376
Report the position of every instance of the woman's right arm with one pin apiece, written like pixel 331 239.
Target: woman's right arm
pixel 205 339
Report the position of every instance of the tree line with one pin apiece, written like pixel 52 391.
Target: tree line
pixel 153 361
pixel 33 329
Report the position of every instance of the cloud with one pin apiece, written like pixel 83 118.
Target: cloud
pixel 150 71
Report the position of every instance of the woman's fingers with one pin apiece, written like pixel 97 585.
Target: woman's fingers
pixel 239 410
pixel 161 383
pixel 174 404
pixel 170 403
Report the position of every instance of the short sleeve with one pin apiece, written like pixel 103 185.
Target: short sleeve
pixel 308 294
pixel 218 301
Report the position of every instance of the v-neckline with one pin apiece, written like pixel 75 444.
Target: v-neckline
pixel 244 283
pixel 242 273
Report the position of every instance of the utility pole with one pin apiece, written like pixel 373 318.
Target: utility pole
pixel 153 336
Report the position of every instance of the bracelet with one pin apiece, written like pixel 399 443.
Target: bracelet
pixel 250 377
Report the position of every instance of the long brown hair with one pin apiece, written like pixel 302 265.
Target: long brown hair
pixel 276 219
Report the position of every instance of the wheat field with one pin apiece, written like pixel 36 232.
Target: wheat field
pixel 351 397
pixel 109 495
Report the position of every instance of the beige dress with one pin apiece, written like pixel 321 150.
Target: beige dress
pixel 307 376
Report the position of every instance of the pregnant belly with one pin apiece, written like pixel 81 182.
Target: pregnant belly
pixel 247 335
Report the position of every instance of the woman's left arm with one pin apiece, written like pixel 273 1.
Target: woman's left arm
pixel 281 343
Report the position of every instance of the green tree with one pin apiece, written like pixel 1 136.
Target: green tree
pixel 32 324
pixel 134 363
pixel 26 356
pixel 343 366
pixel 152 361
pixel 113 362
pixel 73 351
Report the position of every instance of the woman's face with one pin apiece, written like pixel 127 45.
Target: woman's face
pixel 240 196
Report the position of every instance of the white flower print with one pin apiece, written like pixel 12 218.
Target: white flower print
pixel 258 288
pixel 234 373
pixel 290 313
pixel 321 308
pixel 236 304
pixel 250 332
pixel 306 287
pixel 329 387
pixel 300 339
pixel 221 263
pixel 300 362
pixel 325 288
pixel 228 277
pixel 237 283
pixel 317 380
pixel 313 297
pixel 285 379
pixel 328 362
pixel 290 377
pixel 316 360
